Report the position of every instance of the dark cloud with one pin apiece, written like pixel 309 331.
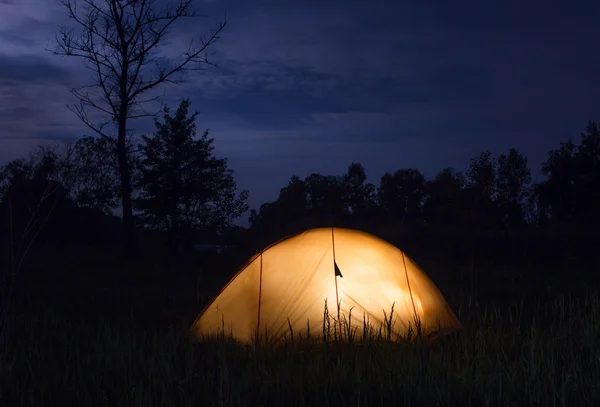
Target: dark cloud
pixel 30 69
pixel 33 100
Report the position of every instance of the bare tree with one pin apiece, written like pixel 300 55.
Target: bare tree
pixel 118 41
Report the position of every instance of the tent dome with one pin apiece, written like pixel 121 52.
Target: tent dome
pixel 284 287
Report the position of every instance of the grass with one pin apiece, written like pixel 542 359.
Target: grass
pixel 549 356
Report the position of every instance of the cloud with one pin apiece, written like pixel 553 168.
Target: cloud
pixel 301 91
pixel 328 42
pixel 30 69
pixel 21 13
pixel 296 49
pixel 289 63
pixel 27 26
pixel 32 100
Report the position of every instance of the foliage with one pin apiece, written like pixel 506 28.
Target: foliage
pixel 183 186
pixel 193 189
pixel 444 196
pixel 117 41
pixel 569 192
pixel 481 176
pixel 96 184
pixel 401 195
pixel 513 179
pixel 30 190
pixel 360 195
pixel 30 194
pixel 325 197
pixel 317 201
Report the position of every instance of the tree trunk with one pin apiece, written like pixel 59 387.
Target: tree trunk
pixel 125 174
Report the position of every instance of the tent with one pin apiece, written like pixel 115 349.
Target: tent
pixel 284 287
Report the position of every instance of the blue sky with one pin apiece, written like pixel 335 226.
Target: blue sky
pixel 312 86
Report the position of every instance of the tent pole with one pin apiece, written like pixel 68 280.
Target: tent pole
pixel 259 297
pixel 408 283
pixel 337 301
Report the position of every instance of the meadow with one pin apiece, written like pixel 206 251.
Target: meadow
pixel 91 342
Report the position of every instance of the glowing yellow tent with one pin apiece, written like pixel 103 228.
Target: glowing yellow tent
pixel 285 286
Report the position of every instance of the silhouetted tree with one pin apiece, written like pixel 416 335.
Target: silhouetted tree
pixel 538 206
pixel 118 41
pixel 481 175
pixel 95 183
pixel 51 160
pixel 316 201
pixel 558 190
pixel 588 165
pixel 28 198
pixel 268 222
pixel 443 205
pixel 12 172
pixel 480 191
pixel 183 186
pixel 401 195
pixel 570 193
pixel 293 198
pixel 513 179
pixel 287 215
pixel 31 191
pixel 360 195
pixel 326 198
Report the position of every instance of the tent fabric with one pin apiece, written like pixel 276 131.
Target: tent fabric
pixel 286 285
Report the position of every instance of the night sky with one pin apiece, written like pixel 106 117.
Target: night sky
pixel 311 86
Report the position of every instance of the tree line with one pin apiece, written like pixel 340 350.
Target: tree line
pixel 178 186
pixel 495 193
pixel 181 188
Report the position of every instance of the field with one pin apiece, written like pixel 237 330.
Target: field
pixel 75 348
